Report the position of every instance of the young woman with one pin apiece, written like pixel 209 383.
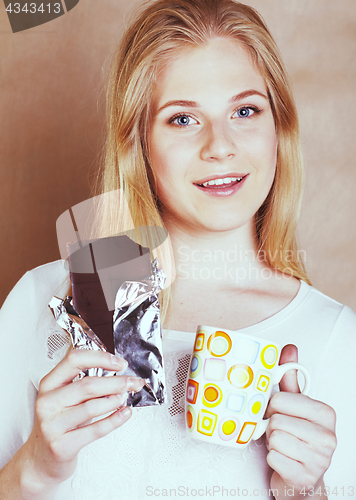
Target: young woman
pixel 203 140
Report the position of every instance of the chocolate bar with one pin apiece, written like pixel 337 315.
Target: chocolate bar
pixel 97 270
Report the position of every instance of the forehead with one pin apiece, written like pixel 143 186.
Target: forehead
pixel 222 66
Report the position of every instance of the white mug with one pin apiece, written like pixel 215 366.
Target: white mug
pixel 229 384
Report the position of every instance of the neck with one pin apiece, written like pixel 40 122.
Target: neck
pixel 220 259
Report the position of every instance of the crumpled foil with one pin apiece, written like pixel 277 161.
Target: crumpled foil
pixel 137 336
pixel 81 334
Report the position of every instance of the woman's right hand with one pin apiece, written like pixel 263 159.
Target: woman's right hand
pixel 64 411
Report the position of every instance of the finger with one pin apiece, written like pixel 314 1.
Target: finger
pixel 289 382
pixel 76 361
pixel 292 447
pixel 288 469
pixel 83 414
pixel 301 406
pixel 93 387
pixel 69 445
pixel 313 434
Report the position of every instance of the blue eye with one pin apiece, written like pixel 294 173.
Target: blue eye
pixel 245 112
pixel 182 120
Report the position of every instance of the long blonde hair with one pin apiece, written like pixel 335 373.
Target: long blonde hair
pixel 158 31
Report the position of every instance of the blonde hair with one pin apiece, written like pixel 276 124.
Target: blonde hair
pixel 159 30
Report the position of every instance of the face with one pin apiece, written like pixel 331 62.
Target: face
pixel 212 125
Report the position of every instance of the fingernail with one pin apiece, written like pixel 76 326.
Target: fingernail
pixel 125 363
pixel 135 384
pixel 119 363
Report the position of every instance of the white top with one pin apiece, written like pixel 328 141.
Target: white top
pixel 152 451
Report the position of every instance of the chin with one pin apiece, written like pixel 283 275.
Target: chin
pixel 221 224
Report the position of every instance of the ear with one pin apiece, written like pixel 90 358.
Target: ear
pixel 289 382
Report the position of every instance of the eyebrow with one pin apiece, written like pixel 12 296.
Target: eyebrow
pixel 194 104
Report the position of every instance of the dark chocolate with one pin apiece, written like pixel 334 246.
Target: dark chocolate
pixel 97 270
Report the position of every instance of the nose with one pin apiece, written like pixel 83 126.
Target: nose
pixel 218 144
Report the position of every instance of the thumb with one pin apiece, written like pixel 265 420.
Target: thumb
pixel 289 382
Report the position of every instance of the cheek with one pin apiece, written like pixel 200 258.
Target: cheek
pixel 267 162
pixel 262 149
pixel 158 159
pixel 169 161
pixel 164 172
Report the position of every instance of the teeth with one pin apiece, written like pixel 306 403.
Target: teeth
pixel 218 182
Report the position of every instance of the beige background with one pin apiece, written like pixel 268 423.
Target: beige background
pixel 52 128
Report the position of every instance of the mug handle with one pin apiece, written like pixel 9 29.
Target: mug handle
pixel 276 378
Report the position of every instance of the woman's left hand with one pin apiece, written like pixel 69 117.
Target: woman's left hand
pixel 300 437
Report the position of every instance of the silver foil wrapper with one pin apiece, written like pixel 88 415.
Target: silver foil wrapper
pixel 137 335
pixel 138 338
pixel 82 336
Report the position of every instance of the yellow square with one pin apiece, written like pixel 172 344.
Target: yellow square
pixel 263 383
pixel 246 432
pixel 206 422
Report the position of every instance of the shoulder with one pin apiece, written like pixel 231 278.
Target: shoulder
pixel 345 325
pixel 25 316
pixel 338 321
pixel 343 317
pixel 321 324
pixel 45 281
pixel 35 287
pixel 49 276
pixel 317 304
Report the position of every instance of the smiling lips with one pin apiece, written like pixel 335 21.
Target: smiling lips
pixel 225 181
